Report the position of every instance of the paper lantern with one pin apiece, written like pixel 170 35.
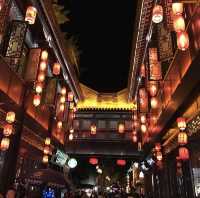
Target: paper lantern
pixel 63 91
pixel 135 117
pixel 44 55
pixel 134 132
pixel 36 100
pixel 45 159
pixel 157 15
pixel 121 162
pixel 179 23
pixel 10 117
pixel 8 129
pixel 5 143
pixel 136 124
pixel 38 87
pixel 41 77
pixel 177 8
pixel 70 97
pixel 93 129
pixel 182 138
pixel 71 130
pixel 181 123
pixel 121 128
pixel 143 119
pixel 182 41
pixel 61 107
pixel 59 125
pixel 62 99
pixel 134 138
pixel 154 102
pixel 31 14
pixel 142 71
pixel 143 128
pixel 56 68
pixel 153 88
pixel 46 150
pixel 183 153
pixel 93 161
pixel 157 147
pixel 2 2
pixel 43 65
pixel 47 141
pixel 71 136
pixel 159 156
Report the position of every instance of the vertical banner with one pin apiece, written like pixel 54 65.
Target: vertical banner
pixel 155 72
pixel 143 102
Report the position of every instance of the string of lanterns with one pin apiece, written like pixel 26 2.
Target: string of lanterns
pixel 46 150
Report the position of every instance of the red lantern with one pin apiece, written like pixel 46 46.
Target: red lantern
pixel 177 8
pixel 5 143
pixel 38 87
pixel 157 147
pixel 143 119
pixel 8 129
pixel 93 129
pixel 44 55
pixel 43 65
pixel 134 138
pixel 182 138
pixel 93 161
pixel 179 23
pixel 159 156
pixel 143 128
pixel 153 88
pixel 56 68
pixel 183 153
pixel 142 71
pixel 154 102
pixel 45 159
pixel 36 100
pixel 31 13
pixel 10 117
pixel 121 162
pixel 181 123
pixel 157 15
pixel 182 41
pixel 46 150
pixel 41 77
pixel 70 97
pixel 121 128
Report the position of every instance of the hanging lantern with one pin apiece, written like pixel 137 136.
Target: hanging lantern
pixel 71 106
pixel 143 128
pixel 181 123
pixel 159 156
pixel 36 100
pixel 45 159
pixel 134 132
pixel 63 91
pixel 182 138
pixel 143 119
pixel 134 138
pixel 157 16
pixel 61 107
pixel 2 2
pixel 47 141
pixel 41 77
pixel 177 8
pixel 8 129
pixel 141 175
pixel 121 128
pixel 157 147
pixel 44 55
pixel 121 162
pixel 183 153
pixel 93 129
pixel 5 143
pixel 70 97
pixel 38 87
pixel 71 130
pixel 62 99
pixel 56 68
pixel 31 14
pixel 153 88
pixel 93 161
pixel 43 65
pixel 135 117
pixel 179 23
pixel 10 117
pixel 154 102
pixel 75 109
pixel 46 150
pixel 142 71
pixel 71 136
pixel 59 125
pixel 136 124
pixel 182 41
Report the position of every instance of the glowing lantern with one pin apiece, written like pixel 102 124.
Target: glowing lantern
pixel 36 100
pixel 44 55
pixel 134 132
pixel 182 41
pixel 179 23
pixel 153 88
pixel 71 106
pixel 71 136
pixel 143 128
pixel 181 123
pixel 142 71
pixel 182 138
pixel 93 161
pixel 135 118
pixel 121 128
pixel 10 117
pixel 8 129
pixel 75 109
pixel 63 91
pixel 154 102
pixel 157 16
pixel 43 66
pixel 134 138
pixel 183 153
pixel 121 162
pixel 56 68
pixel 46 150
pixel 31 14
pixel 41 77
pixel 177 8
pixel 59 125
pixel 47 141
pixel 93 129
pixel 71 130
pixel 38 87
pixel 45 159
pixel 5 143
pixel 70 97
pixel 143 119
pixel 61 107
pixel 136 124
pixel 62 99
pixel 141 175
pixel 157 147
pixel 2 4
pixel 159 156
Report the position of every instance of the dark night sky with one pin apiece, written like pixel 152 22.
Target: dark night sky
pixel 104 29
